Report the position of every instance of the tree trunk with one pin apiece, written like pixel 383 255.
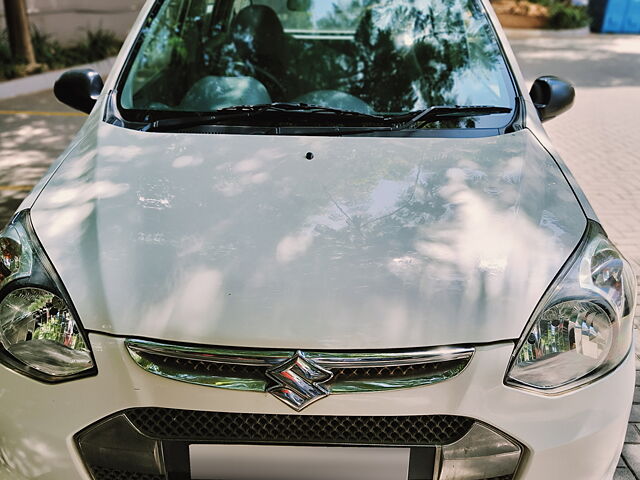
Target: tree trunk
pixel 19 32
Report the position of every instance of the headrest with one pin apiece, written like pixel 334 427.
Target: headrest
pixel 256 23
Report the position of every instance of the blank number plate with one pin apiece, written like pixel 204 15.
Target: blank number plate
pixel 267 462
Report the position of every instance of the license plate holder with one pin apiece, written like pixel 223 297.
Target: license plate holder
pixel 285 462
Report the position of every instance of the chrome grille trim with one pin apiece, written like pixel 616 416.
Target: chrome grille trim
pixel 267 358
pixel 244 369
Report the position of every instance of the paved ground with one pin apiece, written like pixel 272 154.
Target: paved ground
pixel 599 139
pixel 29 143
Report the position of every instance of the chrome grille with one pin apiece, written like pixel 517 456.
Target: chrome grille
pixel 228 370
pixel 218 427
pixel 246 370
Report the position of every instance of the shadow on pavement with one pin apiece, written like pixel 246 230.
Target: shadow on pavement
pixel 29 143
pixel 9 202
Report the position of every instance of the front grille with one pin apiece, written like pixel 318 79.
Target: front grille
pixel 344 378
pixel 419 370
pixel 102 473
pixel 217 427
pixel 224 370
pixel 247 370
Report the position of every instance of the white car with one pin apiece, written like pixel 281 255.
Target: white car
pixel 312 239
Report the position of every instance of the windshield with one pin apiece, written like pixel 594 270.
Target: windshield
pixel 370 56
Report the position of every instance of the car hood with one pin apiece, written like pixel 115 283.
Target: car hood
pixel 244 240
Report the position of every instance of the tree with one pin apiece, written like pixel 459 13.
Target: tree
pixel 19 32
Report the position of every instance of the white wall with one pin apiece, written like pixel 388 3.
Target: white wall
pixel 67 20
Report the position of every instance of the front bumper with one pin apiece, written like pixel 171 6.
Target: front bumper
pixel 577 435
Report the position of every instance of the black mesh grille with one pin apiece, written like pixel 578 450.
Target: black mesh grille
pixel 216 427
pixel 340 375
pixel 101 473
pixel 227 370
pixel 417 370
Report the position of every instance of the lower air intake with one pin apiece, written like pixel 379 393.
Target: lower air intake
pixel 418 430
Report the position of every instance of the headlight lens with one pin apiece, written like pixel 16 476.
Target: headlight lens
pixel 583 327
pixel 16 261
pixel 38 328
pixel 39 332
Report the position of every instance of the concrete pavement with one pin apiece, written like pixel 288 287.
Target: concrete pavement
pixel 29 142
pixel 599 139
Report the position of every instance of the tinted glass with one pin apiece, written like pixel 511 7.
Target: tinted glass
pixel 370 56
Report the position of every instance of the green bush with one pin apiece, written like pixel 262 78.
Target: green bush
pixel 96 45
pixel 52 55
pixel 563 14
pixel 567 16
pixel 47 51
pixel 7 68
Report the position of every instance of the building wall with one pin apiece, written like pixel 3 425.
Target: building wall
pixel 67 20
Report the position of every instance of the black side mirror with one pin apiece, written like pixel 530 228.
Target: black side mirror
pixel 552 96
pixel 79 89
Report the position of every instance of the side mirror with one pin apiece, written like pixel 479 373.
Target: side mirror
pixel 79 89
pixel 552 96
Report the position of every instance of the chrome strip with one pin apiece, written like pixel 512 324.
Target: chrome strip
pixel 481 454
pixel 264 358
pixel 437 461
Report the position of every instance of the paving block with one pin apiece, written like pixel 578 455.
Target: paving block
pixel 631 455
pixel 633 435
pixel 623 473
pixel 635 414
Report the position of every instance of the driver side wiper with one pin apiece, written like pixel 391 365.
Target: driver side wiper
pixel 246 111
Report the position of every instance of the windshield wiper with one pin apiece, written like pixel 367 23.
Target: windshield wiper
pixel 223 115
pixel 433 114
pixel 386 122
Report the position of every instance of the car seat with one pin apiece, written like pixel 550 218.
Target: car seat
pixel 261 43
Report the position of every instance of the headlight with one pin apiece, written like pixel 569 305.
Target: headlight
pixel 40 335
pixel 16 261
pixel 583 327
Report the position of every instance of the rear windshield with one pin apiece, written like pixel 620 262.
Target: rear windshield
pixel 370 56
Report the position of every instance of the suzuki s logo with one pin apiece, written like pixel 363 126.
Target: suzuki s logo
pixel 298 381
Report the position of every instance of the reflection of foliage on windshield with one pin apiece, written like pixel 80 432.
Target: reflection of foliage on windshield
pixel 393 55
pixel 409 52
pixel 344 15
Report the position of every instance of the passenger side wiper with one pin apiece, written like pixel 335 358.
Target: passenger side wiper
pixel 433 114
pixel 245 111
pixel 429 115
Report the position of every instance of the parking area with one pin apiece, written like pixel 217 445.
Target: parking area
pixel 599 139
pixel 34 130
